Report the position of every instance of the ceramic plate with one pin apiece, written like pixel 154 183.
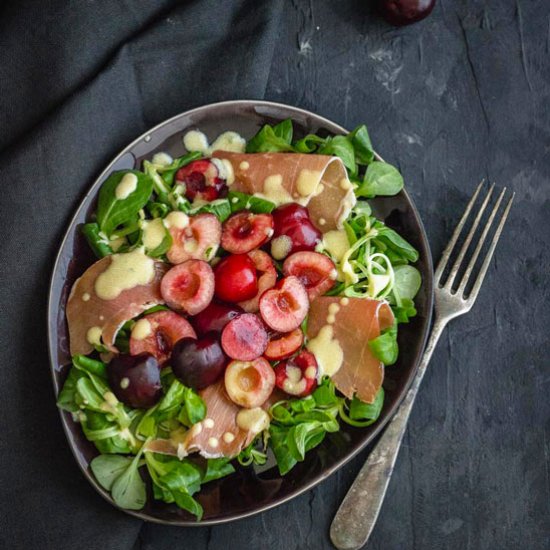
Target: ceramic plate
pixel 247 491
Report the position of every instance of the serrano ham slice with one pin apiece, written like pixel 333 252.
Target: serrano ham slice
pixel 86 310
pixel 210 436
pixel 340 328
pixel 319 182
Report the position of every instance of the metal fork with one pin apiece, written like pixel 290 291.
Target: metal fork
pixel 359 510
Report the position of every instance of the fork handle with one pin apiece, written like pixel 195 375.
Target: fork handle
pixel 359 510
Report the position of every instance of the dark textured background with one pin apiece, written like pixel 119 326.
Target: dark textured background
pixel 460 96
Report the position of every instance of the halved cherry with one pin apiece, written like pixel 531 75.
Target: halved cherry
pixel 249 383
pixel 245 231
pixel 244 337
pixel 188 286
pixel 267 277
pixel 297 376
pixel 285 306
pixel 157 333
pixel 199 240
pixel 215 317
pixel 202 180
pixel 316 272
pixel 281 346
pixel 236 278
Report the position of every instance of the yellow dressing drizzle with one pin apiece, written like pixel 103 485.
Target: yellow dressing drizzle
pixel 294 384
pixel 333 309
pixel 141 330
pixel 153 233
pixel 196 141
pixel 345 184
pixel 126 186
pixel 94 336
pixel 190 245
pixel 327 351
pixel 228 437
pixel 229 172
pixel 280 246
pixel 196 429
pixel 162 159
pixel 310 372
pixel 175 219
pixel 274 191
pixel 124 272
pixel 336 243
pixel 229 141
pixel 253 420
pixel 116 242
pixel 307 181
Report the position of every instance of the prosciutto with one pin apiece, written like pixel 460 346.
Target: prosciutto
pixel 207 437
pixel 353 322
pixel 86 310
pixel 319 182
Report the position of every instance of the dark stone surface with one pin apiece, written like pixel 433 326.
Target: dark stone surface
pixel 460 96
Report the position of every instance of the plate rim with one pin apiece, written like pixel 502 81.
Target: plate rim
pixel 51 307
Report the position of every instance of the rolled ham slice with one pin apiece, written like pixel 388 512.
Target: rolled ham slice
pixel 340 328
pixel 209 437
pixel 319 182
pixel 86 310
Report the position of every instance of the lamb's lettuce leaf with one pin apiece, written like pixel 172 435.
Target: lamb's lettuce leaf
pixel 241 201
pixel 112 211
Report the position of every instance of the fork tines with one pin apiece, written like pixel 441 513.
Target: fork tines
pixel 459 262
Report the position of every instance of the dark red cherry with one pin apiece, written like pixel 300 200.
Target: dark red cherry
pixel 304 236
pixel 236 278
pixel 288 214
pixel 198 363
pixel 215 317
pixel 292 220
pixel 405 12
pixel 135 379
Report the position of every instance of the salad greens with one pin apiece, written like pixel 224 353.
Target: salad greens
pixel 253 454
pixel 242 201
pixel 380 179
pixel 272 139
pixel 385 346
pixel 376 264
pixel 99 245
pixel 221 208
pixel 112 211
pixel 104 419
pixel 355 150
pixel 117 430
pixel 299 425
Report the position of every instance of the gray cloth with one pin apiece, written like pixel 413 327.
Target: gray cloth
pixel 78 81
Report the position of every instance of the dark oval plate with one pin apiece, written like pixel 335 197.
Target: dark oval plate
pixel 248 491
